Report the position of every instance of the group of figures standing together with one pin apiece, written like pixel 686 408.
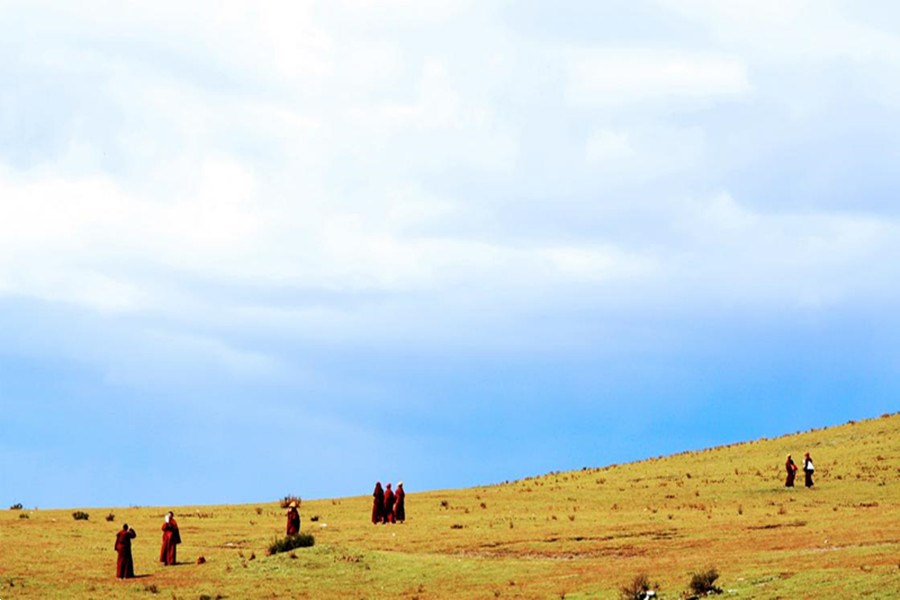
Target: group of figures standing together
pixel 388 506
pixel 167 554
pixel 791 468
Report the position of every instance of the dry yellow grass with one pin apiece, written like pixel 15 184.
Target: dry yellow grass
pixel 578 534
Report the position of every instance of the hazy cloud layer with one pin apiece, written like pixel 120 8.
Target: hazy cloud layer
pixel 420 219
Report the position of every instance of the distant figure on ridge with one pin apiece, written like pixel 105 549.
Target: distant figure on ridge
pixel 791 468
pixel 808 469
pixel 377 504
pixel 170 540
pixel 400 504
pixel 389 500
pixel 124 564
pixel 293 519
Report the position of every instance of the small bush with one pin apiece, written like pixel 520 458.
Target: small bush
pixel 457 526
pixel 24 516
pixel 80 515
pixel 259 510
pixel 110 518
pixel 16 506
pixel 703 583
pixel 314 518
pixel 286 501
pixel 301 540
pixel 151 588
pixel 638 589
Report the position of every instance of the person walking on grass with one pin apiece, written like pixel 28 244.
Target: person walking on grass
pixel 377 504
pixel 791 468
pixel 293 519
pixel 170 540
pixel 808 469
pixel 400 503
pixel 124 563
pixel 389 501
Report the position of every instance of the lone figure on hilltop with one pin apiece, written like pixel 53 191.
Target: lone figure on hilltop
pixel 125 563
pixel 293 519
pixel 170 540
pixel 791 468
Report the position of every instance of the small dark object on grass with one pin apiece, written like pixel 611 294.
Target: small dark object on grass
pixel 292 555
pixel 314 518
pixel 80 515
pixel 301 540
pixel 201 560
pixel 110 517
pixel 456 526
pixel 703 583
pixel 23 516
pixel 151 588
pixel 252 556
pixel 445 504
pixel 16 506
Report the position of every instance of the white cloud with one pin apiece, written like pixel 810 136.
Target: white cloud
pixel 617 77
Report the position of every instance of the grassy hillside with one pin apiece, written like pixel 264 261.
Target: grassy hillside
pixel 578 534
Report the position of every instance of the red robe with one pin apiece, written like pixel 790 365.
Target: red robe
pixel 293 522
pixel 791 472
pixel 378 504
pixel 389 505
pixel 124 564
pixel 170 540
pixel 400 504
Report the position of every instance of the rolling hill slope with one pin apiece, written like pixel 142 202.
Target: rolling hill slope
pixel 580 534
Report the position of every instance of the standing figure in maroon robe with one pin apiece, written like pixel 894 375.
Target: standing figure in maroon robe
pixel 124 564
pixel 389 500
pixel 791 469
pixel 293 519
pixel 377 504
pixel 808 469
pixel 170 540
pixel 400 504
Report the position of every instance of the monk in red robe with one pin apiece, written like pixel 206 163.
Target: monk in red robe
pixel 400 504
pixel 791 469
pixel 124 564
pixel 808 469
pixel 377 504
pixel 170 540
pixel 293 519
pixel 389 500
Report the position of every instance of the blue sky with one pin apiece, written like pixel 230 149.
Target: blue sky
pixel 252 249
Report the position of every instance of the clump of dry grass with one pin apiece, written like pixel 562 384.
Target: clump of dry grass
pixel 638 588
pixel 704 583
pixel 301 540
pixel 286 501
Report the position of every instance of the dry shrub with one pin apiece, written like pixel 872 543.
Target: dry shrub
pixel 703 583
pixel 638 588
pixel 286 501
